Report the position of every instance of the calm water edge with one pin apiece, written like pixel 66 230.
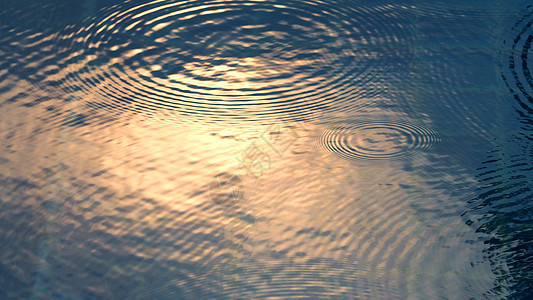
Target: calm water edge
pixel 266 149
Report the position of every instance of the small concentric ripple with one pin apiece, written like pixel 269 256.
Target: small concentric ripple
pixel 516 71
pixel 229 60
pixel 376 140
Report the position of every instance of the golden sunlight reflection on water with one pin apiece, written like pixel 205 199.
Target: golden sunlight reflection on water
pixel 306 205
pixel 168 149
pixel 143 181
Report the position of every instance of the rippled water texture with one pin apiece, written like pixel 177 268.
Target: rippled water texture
pixel 225 149
pixel 376 140
pixel 221 60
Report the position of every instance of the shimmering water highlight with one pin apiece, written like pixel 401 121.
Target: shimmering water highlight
pixel 233 60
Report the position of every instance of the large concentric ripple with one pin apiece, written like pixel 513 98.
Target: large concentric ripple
pixel 516 72
pixel 376 140
pixel 231 60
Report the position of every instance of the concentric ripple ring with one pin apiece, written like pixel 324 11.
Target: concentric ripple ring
pixel 234 59
pixel 376 140
pixel 517 67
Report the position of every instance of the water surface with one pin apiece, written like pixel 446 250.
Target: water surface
pixel 266 149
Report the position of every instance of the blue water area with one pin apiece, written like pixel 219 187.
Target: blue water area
pixel 250 149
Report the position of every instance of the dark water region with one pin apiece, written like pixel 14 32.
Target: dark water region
pixel 227 149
